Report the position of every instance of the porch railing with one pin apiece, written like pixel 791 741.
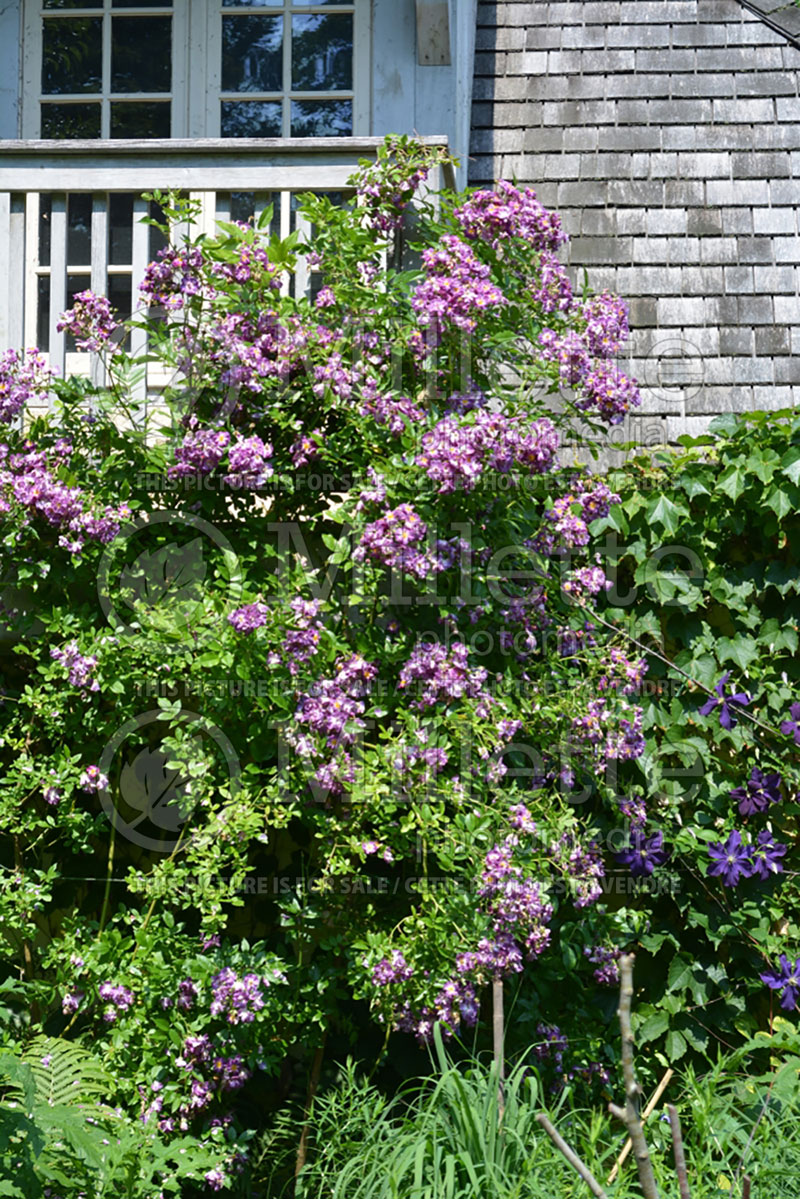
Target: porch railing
pixel 71 214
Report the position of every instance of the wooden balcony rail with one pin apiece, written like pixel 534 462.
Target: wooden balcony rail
pixel 71 214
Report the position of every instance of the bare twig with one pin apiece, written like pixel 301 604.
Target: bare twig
pixel 677 1146
pixel 630 1115
pixel 572 1158
pixel 654 1098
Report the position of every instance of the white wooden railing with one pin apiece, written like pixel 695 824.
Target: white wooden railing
pixel 40 179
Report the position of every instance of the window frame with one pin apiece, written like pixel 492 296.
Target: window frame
pixel 196 96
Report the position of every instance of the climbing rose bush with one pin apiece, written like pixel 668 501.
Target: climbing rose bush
pixel 310 711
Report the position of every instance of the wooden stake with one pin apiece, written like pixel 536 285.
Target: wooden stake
pixel 626 1148
pixel 497 1036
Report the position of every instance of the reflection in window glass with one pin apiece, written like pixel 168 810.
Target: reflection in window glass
pixel 69 121
pixel 43 313
pixel 72 56
pixel 79 229
pixel 45 215
pixel 120 228
pixel 243 207
pixel 252 3
pixel 322 52
pixel 157 239
pixel 145 119
pixel 141 54
pixel 251 118
pixel 322 118
pixel 73 3
pixel 141 3
pixel 119 294
pixel 252 56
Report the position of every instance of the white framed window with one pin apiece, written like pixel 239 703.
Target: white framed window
pixel 195 68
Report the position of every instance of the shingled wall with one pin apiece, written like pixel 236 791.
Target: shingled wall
pixel 667 134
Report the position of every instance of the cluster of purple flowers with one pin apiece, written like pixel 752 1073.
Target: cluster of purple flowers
pixel 305 447
pixel 441 675
pixel 429 760
pixel 495 216
pixel 28 479
pixel 735 859
pixel 24 378
pixel 249 350
pixel 552 290
pixel 586 582
pixel 393 969
pixel 582 864
pixel 90 321
pixel 386 188
pixel 174 276
pixel 92 779
pixel 248 465
pixel 333 710
pixel 604 388
pixel 237 999
pixel 252 265
pixel 249 617
pixel 605 961
pixel 118 998
pixel 301 643
pixel 395 412
pixel 456 455
pixel 606 329
pixel 79 667
pixel 394 539
pixel 457 287
pixel 453 1005
pixel 552 1047
pixel 595 731
pixel 517 904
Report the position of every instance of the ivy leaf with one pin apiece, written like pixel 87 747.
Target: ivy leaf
pixel 679 974
pixel 733 481
pixel 790 464
pixel 666 514
pixel 741 650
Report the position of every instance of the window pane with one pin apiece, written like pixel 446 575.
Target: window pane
pixel 252 3
pixel 150 119
pixel 43 313
pixel 317 3
pixel 75 283
pixel 141 54
pixel 119 294
pixel 243 207
pixel 157 240
pixel 79 229
pixel 322 118
pixel 73 3
pixel 322 53
pixel 120 229
pixel 251 118
pixel 141 3
pixel 252 57
pixel 69 121
pixel 45 213
pixel 72 56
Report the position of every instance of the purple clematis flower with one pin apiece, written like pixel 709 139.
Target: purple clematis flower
pixel 727 717
pixel 786 980
pixel 765 855
pixel 792 727
pixel 643 854
pixel 732 860
pixel 758 792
